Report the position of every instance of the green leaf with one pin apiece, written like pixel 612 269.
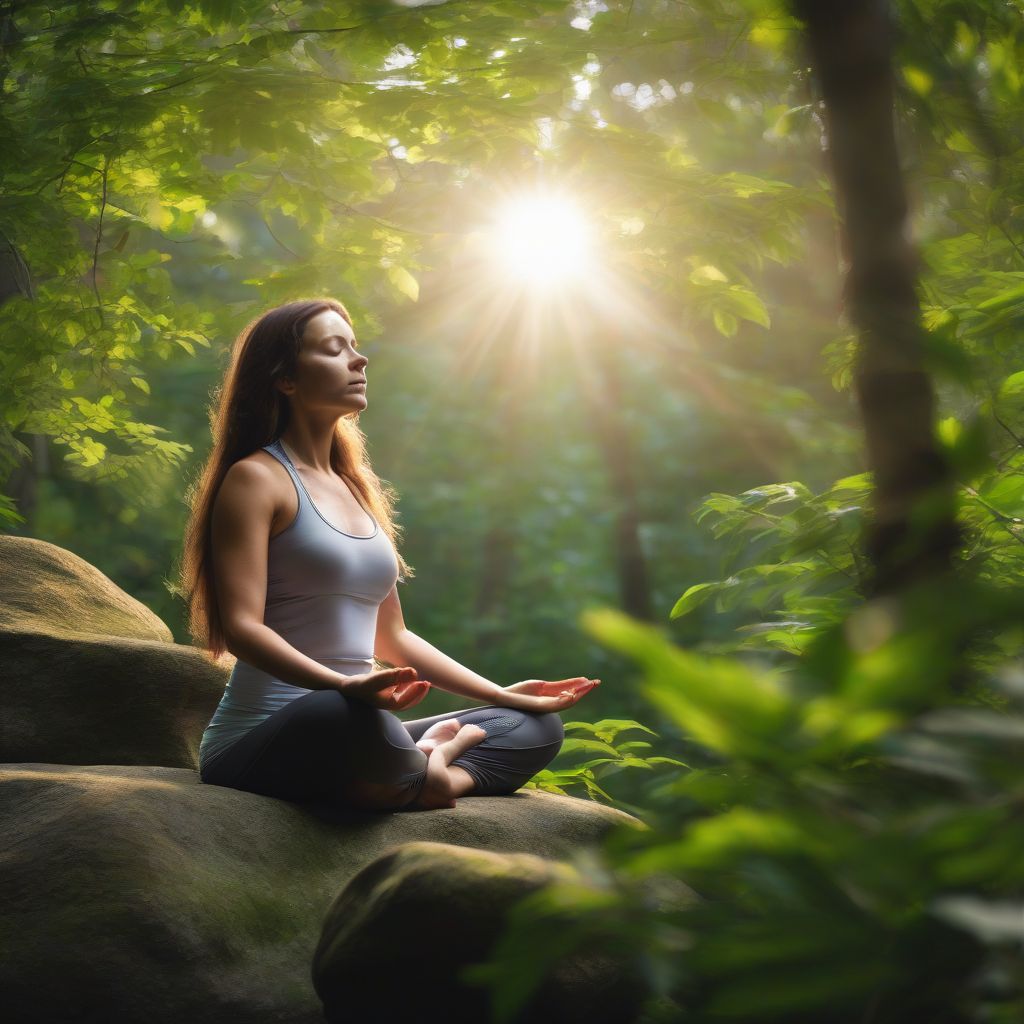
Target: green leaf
pixel 1012 297
pixel 706 274
pixel 692 598
pixel 725 322
pixel 74 332
pixel 404 282
pixel 748 305
pixel 571 744
pixel 1013 386
pixel 918 79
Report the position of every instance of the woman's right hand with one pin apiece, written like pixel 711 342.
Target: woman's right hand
pixel 393 689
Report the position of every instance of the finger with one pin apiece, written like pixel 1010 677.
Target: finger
pixel 559 686
pixel 412 686
pixel 417 689
pixel 395 677
pixel 410 699
pixel 581 682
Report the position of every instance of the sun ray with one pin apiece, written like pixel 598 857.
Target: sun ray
pixel 538 288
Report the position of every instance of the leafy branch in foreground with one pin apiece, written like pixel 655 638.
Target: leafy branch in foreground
pixel 855 848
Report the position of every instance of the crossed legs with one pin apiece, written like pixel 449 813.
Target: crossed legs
pixel 324 746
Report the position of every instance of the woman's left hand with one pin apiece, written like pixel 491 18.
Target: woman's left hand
pixel 565 692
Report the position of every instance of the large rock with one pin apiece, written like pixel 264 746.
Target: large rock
pixel 140 894
pixel 88 675
pixel 427 911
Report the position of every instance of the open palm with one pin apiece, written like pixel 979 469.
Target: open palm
pixel 541 695
pixel 552 688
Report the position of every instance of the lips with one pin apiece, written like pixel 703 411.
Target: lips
pixel 351 382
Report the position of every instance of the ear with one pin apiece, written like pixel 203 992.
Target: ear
pixel 285 385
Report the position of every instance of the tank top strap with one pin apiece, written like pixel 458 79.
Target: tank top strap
pixel 276 449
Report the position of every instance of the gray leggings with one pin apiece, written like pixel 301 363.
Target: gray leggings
pixel 326 747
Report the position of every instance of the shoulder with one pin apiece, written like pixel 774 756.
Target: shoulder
pixel 259 461
pixel 253 477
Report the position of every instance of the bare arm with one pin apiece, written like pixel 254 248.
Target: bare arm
pixel 243 513
pixel 397 644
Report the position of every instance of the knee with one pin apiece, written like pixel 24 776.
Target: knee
pixel 326 709
pixel 549 727
pixel 536 729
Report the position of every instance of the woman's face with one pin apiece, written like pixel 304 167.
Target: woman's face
pixel 328 368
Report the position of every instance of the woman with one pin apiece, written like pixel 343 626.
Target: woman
pixel 290 563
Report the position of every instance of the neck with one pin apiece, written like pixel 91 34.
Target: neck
pixel 309 451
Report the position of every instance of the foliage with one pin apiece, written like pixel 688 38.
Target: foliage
pixel 598 738
pixel 856 837
pixel 811 544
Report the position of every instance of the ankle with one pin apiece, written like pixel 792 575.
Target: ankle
pixel 462 782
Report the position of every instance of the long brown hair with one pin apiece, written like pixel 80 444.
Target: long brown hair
pixel 247 413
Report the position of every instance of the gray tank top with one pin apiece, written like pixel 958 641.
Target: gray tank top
pixel 324 587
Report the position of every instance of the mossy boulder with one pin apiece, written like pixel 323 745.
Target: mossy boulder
pixel 140 893
pixel 424 913
pixel 89 675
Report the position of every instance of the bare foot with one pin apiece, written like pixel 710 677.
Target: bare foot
pixel 439 732
pixel 437 790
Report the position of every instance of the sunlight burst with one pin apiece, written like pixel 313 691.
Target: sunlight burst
pixel 542 239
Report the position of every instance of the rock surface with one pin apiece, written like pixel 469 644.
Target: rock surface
pixel 141 894
pixel 424 913
pixel 88 675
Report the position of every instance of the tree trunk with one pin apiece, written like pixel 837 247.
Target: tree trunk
pixel 499 552
pixel 913 533
pixel 604 394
